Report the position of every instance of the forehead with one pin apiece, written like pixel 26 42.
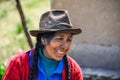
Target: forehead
pixel 63 33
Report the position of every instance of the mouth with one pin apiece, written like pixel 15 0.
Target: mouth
pixel 60 52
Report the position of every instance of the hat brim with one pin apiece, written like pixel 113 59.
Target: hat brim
pixel 74 31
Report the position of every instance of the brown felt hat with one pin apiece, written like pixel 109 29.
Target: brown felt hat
pixel 54 21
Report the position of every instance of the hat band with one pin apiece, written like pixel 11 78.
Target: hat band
pixel 59 26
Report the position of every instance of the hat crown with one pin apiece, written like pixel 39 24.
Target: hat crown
pixel 55 19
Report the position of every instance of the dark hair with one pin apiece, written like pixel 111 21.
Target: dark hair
pixel 34 68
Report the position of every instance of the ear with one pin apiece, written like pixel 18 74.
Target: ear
pixel 44 41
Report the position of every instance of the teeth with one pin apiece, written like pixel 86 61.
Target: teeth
pixel 60 52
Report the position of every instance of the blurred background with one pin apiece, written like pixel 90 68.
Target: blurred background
pixel 97 49
pixel 12 36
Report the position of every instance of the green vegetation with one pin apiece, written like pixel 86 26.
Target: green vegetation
pixel 2 70
pixel 3 13
pixel 12 37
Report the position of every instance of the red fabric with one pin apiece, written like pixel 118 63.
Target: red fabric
pixel 18 68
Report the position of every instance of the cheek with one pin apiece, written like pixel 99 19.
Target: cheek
pixel 51 47
pixel 69 46
pixel 55 44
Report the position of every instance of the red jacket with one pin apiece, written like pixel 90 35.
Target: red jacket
pixel 18 68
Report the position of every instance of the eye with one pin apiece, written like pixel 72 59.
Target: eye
pixel 60 38
pixel 69 40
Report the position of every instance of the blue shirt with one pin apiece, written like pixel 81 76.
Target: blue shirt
pixel 48 69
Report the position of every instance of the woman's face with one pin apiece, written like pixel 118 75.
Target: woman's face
pixel 58 45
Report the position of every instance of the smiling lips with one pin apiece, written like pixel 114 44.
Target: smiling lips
pixel 60 52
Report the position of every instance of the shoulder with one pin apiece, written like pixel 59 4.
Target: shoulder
pixel 76 72
pixel 72 62
pixel 19 57
pixel 17 66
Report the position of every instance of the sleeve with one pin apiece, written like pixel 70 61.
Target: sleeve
pixel 18 67
pixel 76 72
pixel 12 71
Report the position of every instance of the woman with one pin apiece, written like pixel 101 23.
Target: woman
pixel 49 59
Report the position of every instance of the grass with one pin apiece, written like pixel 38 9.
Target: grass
pixel 2 70
pixel 12 37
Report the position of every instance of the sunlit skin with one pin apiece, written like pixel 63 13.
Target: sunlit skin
pixel 58 46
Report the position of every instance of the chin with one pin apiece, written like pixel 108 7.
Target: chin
pixel 58 59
